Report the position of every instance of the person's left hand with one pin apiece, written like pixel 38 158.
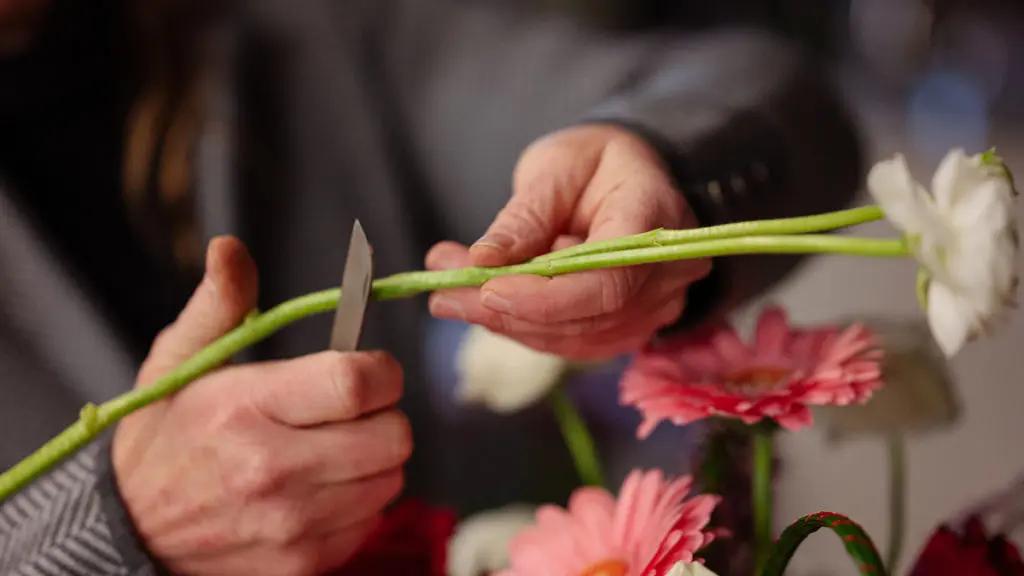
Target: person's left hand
pixel 581 184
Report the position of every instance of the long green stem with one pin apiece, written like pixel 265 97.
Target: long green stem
pixel 410 283
pixel 577 438
pixel 897 499
pixel 780 226
pixel 95 419
pixel 761 494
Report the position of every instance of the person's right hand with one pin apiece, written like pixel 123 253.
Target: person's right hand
pixel 272 468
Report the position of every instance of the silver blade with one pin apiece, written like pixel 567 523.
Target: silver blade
pixel 355 292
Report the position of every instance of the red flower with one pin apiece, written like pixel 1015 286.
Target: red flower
pixel 777 375
pixel 971 553
pixel 412 540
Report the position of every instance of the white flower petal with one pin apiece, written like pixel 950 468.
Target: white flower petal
pixel 480 542
pixel 988 205
pixel 689 569
pixel 954 177
pixel 950 321
pixel 503 374
pixel 965 238
pixel 905 203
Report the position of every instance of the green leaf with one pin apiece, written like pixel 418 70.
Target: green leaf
pixel 857 542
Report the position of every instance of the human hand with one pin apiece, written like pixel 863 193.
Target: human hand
pixel 270 468
pixel 581 184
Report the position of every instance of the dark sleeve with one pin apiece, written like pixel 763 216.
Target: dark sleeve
pixel 752 130
pixel 749 126
pixel 71 522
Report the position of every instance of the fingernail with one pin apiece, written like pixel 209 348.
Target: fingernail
pixel 447 308
pixel 496 302
pixel 496 240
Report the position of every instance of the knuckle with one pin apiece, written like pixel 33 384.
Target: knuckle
pixel 524 216
pixel 390 368
pixel 286 523
pixel 348 383
pixel 399 438
pixel 253 474
pixel 165 335
pixel 616 290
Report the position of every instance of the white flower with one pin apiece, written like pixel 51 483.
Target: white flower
pixel 964 236
pixel 480 543
pixel 503 374
pixel 689 569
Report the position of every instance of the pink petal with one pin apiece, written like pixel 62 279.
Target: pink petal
pixel 772 333
pixel 729 346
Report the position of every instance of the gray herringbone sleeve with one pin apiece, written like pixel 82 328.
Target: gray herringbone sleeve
pixel 57 525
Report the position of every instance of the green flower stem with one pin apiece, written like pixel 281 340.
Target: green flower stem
pixel 577 438
pixel 781 226
pixel 761 494
pixel 258 326
pixel 858 544
pixel 93 420
pixel 410 283
pixel 897 499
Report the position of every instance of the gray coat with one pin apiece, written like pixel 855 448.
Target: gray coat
pixel 408 115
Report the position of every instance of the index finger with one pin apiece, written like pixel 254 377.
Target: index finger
pixel 572 297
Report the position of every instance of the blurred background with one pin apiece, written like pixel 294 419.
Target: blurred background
pixel 920 77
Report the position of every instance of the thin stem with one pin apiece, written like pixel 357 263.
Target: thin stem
pixel 410 283
pixel 761 493
pixel 94 419
pixel 780 226
pixel 577 438
pixel 897 499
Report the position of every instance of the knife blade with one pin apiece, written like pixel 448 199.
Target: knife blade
pixel 356 282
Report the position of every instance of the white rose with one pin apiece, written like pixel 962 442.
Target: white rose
pixel 963 234
pixel 480 543
pixel 689 569
pixel 503 374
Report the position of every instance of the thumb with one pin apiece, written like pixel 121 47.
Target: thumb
pixel 221 301
pixel 548 181
pixel 524 228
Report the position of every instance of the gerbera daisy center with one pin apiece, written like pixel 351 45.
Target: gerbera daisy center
pixel 754 380
pixel 607 568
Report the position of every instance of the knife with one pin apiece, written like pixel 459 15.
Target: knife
pixel 356 282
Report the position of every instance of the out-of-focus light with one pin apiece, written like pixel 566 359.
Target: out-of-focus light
pixel 947 109
pixel 980 49
pixel 892 35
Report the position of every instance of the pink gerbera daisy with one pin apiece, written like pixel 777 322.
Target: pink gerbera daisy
pixel 713 372
pixel 648 530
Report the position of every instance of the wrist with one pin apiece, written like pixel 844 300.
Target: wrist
pixel 124 533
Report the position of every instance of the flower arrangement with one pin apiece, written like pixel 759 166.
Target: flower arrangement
pixel 964 238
